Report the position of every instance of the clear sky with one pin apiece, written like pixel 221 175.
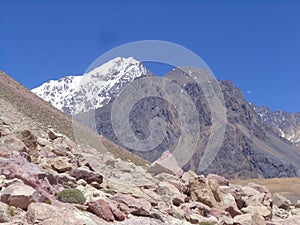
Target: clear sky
pixel 256 43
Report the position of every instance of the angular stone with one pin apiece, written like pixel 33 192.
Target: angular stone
pixel 166 164
pixel 118 214
pixel 138 207
pixel 87 175
pixel 280 213
pixel 214 186
pixel 113 185
pixel 43 142
pixel 249 191
pixel 249 219
pixel 52 135
pixel 201 192
pixel 101 209
pixel 281 201
pixel 261 210
pixel 61 164
pixel 45 214
pixel 222 181
pixel 19 195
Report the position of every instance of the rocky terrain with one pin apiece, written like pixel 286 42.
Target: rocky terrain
pixel 46 178
pixel 284 124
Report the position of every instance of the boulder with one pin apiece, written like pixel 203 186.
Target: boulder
pixel 249 219
pixel 261 210
pixel 118 214
pixel 166 164
pixel 52 135
pixel 280 213
pixel 187 176
pixel 101 208
pixel 138 207
pixel 113 185
pixel 45 214
pixel 43 142
pixel 222 181
pixel 87 175
pixel 281 201
pixel 214 187
pixel 19 195
pixel 61 164
pixel 4 213
pixel 200 191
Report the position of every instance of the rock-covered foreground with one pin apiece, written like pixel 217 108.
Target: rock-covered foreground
pixel 46 179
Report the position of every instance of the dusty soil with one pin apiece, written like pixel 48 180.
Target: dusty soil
pixel 289 187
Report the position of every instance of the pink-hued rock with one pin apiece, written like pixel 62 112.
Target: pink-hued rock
pixel 101 209
pixel 118 214
pixel 166 164
pixel 281 201
pixel 138 207
pixel 28 172
pixel 217 213
pixel 5 152
pixel 249 219
pixel 45 214
pixel 20 168
pixel 222 181
pixel 87 175
pixel 19 195
pixel 200 192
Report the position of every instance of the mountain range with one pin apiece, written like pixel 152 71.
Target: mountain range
pixel 48 176
pixel 257 142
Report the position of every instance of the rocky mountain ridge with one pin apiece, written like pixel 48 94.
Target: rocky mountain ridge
pixel 250 149
pixel 46 179
pixel 284 124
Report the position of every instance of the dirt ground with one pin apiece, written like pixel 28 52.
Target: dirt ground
pixel 289 187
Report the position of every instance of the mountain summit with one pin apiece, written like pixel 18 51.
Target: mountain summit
pixel 103 82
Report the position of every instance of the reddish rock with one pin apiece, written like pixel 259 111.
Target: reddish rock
pixel 217 213
pixel 19 195
pixel 87 175
pixel 232 210
pixel 166 164
pixel 118 214
pixel 101 208
pixel 20 168
pixel 138 207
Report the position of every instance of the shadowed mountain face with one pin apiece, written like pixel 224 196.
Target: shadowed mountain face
pixel 250 148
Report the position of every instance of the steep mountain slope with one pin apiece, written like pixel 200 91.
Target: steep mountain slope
pixel 44 116
pixel 103 82
pixel 250 149
pixel 284 124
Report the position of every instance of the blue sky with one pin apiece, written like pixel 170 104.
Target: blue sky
pixel 256 44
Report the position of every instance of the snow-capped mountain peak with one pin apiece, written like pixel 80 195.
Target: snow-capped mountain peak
pixel 75 94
